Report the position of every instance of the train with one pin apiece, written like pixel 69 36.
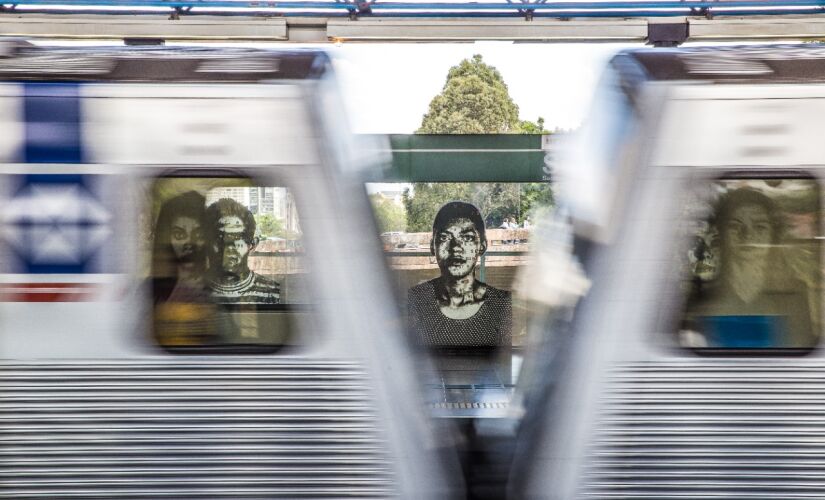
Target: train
pixel 689 364
pixel 192 300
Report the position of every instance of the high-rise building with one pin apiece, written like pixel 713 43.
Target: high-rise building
pixel 275 201
pixel 254 200
pixel 239 194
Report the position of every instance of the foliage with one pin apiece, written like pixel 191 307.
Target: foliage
pixel 424 200
pixel 474 100
pixel 267 225
pixel 528 127
pixel 389 215
pixel 495 201
pixel 533 196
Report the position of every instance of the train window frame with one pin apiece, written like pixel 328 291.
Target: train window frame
pixel 677 310
pixel 290 311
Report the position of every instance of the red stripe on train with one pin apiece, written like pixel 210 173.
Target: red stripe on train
pixel 48 292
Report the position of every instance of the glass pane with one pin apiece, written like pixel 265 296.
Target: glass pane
pixel 226 266
pixel 454 249
pixel 754 266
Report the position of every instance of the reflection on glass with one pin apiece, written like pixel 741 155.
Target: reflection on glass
pixel 178 260
pixel 456 309
pixel 754 266
pixel 226 259
pixel 182 306
pixel 230 230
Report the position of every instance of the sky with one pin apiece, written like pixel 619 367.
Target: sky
pixel 388 87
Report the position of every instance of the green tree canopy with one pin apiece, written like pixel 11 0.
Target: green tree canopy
pixel 528 127
pixel 424 200
pixel 474 100
pixel 267 225
pixel 388 215
pixel 495 201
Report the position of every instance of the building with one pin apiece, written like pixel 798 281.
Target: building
pixel 275 201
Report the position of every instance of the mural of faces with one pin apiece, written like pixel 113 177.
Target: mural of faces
pixel 748 233
pixel 457 247
pixel 230 248
pixel 186 238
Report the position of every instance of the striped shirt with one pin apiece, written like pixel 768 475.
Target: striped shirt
pixel 254 289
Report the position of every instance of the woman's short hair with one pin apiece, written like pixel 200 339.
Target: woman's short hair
pixel 739 197
pixel 455 210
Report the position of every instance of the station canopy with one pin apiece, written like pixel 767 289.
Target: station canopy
pixel 661 22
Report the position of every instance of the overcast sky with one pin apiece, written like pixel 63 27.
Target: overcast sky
pixel 388 87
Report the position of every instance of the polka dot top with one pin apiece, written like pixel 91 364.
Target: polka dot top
pixel 488 327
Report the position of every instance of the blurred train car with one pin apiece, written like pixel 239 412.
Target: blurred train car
pixel 693 367
pixel 191 301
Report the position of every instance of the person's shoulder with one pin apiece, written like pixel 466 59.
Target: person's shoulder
pixel 498 293
pixel 422 290
pixel 262 280
pixel 424 286
pixel 264 288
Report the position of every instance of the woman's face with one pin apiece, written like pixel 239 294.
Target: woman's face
pixel 457 247
pixel 749 233
pixel 186 238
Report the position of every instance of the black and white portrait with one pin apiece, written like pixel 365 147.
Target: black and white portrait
pixel 456 309
pixel 230 236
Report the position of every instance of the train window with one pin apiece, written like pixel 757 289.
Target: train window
pixel 454 250
pixel 226 265
pixel 754 268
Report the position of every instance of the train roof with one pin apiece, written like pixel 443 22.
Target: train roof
pixel 803 63
pixel 22 61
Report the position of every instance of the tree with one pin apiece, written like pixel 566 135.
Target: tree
pixel 389 215
pixel 268 225
pixel 474 100
pixel 495 201
pixel 528 127
pixel 424 200
pixel 534 195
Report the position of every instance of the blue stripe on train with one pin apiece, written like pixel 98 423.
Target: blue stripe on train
pixel 51 112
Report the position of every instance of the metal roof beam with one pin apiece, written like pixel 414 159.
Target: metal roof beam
pixel 318 29
pixel 118 27
pixel 467 30
pixel 757 28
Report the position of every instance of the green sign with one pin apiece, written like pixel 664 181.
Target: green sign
pixel 467 158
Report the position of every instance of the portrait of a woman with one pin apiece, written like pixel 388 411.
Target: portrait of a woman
pixel 456 309
pixel 178 249
pixel 756 300
pixel 184 314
